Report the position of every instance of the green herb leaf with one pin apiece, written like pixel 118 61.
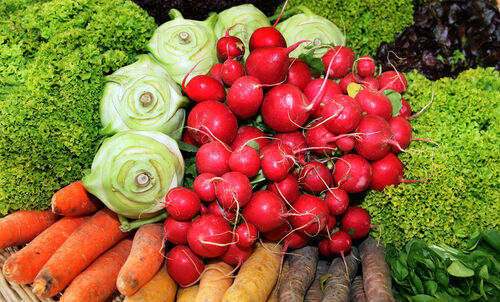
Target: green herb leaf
pixel 183 146
pixel 458 269
pixel 395 98
pixel 312 61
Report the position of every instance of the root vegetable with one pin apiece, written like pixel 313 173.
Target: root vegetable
pixel 74 200
pixel 176 231
pixel 314 92
pixel 375 103
pixel 352 173
pixel 337 201
pixel 265 210
pixel 245 96
pixel 213 158
pixel 365 66
pixel 338 286
pixel 209 236
pixel 233 190
pixel 287 189
pixel 299 73
pixel 315 177
pixel 214 282
pixel 341 114
pixel 356 222
pixel 231 71
pixel 211 119
pixel 276 161
pixel 300 275
pixel 184 266
pixel 343 59
pixel 247 234
pixel 21 227
pixel 309 214
pixel 182 203
pixel 314 293
pixel 392 80
pixel 162 288
pixel 376 137
pixel 203 185
pixel 357 290
pixel 245 160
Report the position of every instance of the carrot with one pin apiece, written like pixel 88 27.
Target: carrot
pixel 338 286
pixel 187 294
pixel 216 279
pixel 273 296
pixel 22 226
pixel 96 235
pixel 314 293
pixel 357 290
pixel 376 277
pixel 162 288
pixel 300 275
pixel 144 261
pixel 257 276
pixel 74 200
pixel 23 266
pixel 98 282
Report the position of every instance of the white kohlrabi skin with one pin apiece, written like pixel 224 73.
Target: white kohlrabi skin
pixel 180 44
pixel 142 96
pixel 308 26
pixel 133 171
pixel 245 18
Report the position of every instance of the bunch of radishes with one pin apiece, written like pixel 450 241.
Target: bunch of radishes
pixel 307 122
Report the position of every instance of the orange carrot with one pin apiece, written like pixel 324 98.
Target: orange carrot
pixel 144 261
pixel 92 238
pixel 98 281
pixel 23 266
pixel 22 226
pixel 74 200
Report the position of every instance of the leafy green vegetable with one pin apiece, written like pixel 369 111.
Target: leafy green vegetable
pixel 54 55
pixel 395 99
pixel 463 193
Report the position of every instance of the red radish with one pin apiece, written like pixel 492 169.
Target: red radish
pixel 313 91
pixel 230 47
pixel 245 160
pixel 319 139
pixel 211 119
pixel 203 209
pixel 330 225
pixel 209 236
pixel 216 209
pixel 278 233
pixel 343 59
pixel 346 144
pixel 405 110
pixel 352 173
pixel 236 255
pixel 392 80
pixel 183 265
pixel 265 210
pixel 337 201
pixel 269 64
pixel 401 129
pixel 204 187
pixel 324 249
pixel 285 108
pixel 203 88
pixel 182 203
pixel 341 114
pixel 175 230
pixel 247 234
pixel 249 133
pixel 387 171
pixel 216 72
pixel 233 190
pixel 356 222
pixel 187 139
pixel 315 177
pixel 374 102
pixel 370 83
pixel 348 79
pixel 213 158
pixel 266 37
pixel 294 140
pixel 339 242
pixel 309 214
pixel 244 97
pixel 231 71
pixel 299 73
pixel 276 161
pixel 365 66
pixel 376 137
pixel 287 189
pixel 295 240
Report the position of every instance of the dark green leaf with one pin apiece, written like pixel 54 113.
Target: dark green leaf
pixel 443 278
pixel 473 241
pixel 395 98
pixel 483 273
pixel 416 283
pixel 458 269
pixel 254 145
pixel 430 287
pixel 492 237
pixel 183 146
pixel 423 298
pixel 312 61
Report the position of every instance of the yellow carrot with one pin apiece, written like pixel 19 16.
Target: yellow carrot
pixel 273 297
pixel 214 282
pixel 187 294
pixel 162 288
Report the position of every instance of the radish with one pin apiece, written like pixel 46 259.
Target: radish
pixel 278 233
pixel 213 158
pixel 231 71
pixel 387 171
pixel 269 64
pixel 341 114
pixel 184 266
pixel 346 144
pixel 352 173
pixel 276 161
pixel 265 210
pixel 285 108
pixel 330 225
pixel 245 160
pixel 324 249
pixel 405 110
pixel 209 236
pixel 374 102
pixel 295 240
pixel 299 73
pixel 233 190
pixel 313 91
pixel 204 187
pixel 356 222
pixel 248 134
pixel 287 189
pixel 187 139
pixel 230 47
pixel 337 201
pixel 175 230
pixel 343 59
pixel 203 209
pixel 210 119
pixel 216 209
pixel 319 139
pixel 401 130
pixel 294 140
pixel 266 37
pixel 244 97
pixel 216 72
pixel 370 83
pixel 376 137
pixel 182 203
pixel 315 177
pixel 309 214
pixel 392 80
pixel 365 66
pixel 247 234
pixel 203 88
pixel 236 255
pixel 339 243
pixel 348 79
